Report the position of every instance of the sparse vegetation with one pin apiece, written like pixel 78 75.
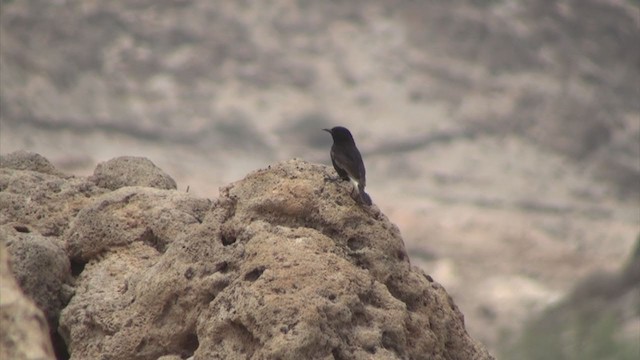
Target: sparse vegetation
pixel 579 336
pixel 590 324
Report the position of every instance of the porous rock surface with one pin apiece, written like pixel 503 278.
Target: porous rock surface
pixel 41 267
pixel 131 171
pixel 284 264
pixel 24 333
pixel 24 160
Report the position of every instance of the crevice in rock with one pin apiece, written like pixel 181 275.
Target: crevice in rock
pixel 189 273
pixel 141 345
pixel 222 267
pixel 254 274
pixel 369 298
pixel 227 239
pixel 359 316
pixel 214 290
pixel 148 237
pixel 249 342
pixel 337 354
pixel 355 243
pixel 360 261
pixel 228 235
pixel 198 218
pixel 412 304
pixel 390 341
pixel 189 345
pixel 22 229
pixel 166 308
pixel 59 346
pixel 77 267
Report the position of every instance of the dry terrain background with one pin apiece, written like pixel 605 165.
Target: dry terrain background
pixel 502 137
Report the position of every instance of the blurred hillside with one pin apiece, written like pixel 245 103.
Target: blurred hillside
pixel 600 319
pixel 501 136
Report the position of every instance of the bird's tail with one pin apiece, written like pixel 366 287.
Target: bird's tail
pixel 364 197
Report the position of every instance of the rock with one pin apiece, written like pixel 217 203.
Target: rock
pixel 24 333
pixel 170 357
pixel 41 268
pixel 154 217
pixel 43 202
pixel 38 203
pixel 131 171
pixel 284 264
pixel 24 160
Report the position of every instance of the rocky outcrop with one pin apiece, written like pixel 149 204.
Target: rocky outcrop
pixel 24 160
pixel 131 171
pixel 34 197
pixel 24 333
pixel 284 264
pixel 41 267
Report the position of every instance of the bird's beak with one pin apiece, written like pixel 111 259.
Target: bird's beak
pixel 327 130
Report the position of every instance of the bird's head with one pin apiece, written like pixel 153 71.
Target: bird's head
pixel 340 134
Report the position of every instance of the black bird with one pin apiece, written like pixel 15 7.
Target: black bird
pixel 347 160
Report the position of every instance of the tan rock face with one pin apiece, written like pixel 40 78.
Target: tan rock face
pixel 24 160
pixel 131 171
pixel 24 333
pixel 283 265
pixel 41 268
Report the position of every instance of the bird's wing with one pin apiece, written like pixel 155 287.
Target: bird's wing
pixel 340 170
pixel 350 160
